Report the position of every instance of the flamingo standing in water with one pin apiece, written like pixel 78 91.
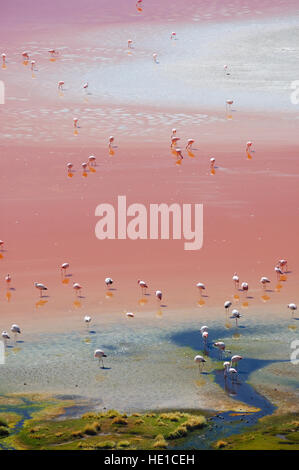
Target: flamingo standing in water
pixel 190 142
pixel 226 366
pixel 236 280
pixel 75 120
pixel 264 281
pixel 5 337
pixel 159 295
pixel 15 329
pixel 236 315
pixel 41 287
pixel 201 287
pixel 212 163
pixel 174 141
pixel 111 140
pixel 3 58
pixel 25 55
pixel 85 86
pixel 233 373
pixel 60 85
pixel 179 154
pixel 92 160
pixel 173 133
pixel 130 314
pixel 248 146
pixel 87 320
pixel 63 268
pixel 235 360
pixel 227 305
pixel 283 264
pixel 204 328
pixel 32 65
pixel 205 336
pixel 200 360
pixel 8 279
pixel 155 56
pixel 292 307
pixel 77 288
pixel 143 286
pixel 52 52
pixel 229 104
pixel 279 272
pixel 173 35
pixel 220 345
pixel 244 287
pixel 1 245
pixel 100 354
pixel 108 282
pixel 130 42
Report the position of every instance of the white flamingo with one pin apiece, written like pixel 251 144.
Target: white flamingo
pixel 227 305
pixel 143 285
pixel 236 315
pixel 77 288
pixel 264 281
pixel 201 287
pixel 235 360
pixel 5 337
pixel 41 287
pixel 292 307
pixel 200 360
pixel 16 330
pixel 236 280
pixel 108 282
pixel 100 354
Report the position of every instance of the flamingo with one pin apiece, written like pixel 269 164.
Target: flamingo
pixel 283 264
pixel 52 52
pixel 189 144
pixel 236 280
pixel 87 319
pixel 235 360
pixel 179 153
pixel 173 132
pixel 25 55
pixel 41 287
pixel 212 162
pixel 173 35
pixel 5 337
pixel 264 281
pixel 100 354
pixel 174 141
pixel 84 166
pixel 279 272
pixel 75 120
pixel 244 287
pixel 236 314
pixel 69 167
pixel 85 86
pixel 205 336
pixel 3 58
pixel 226 366
pixel 225 67
pixel 292 307
pixel 227 305
pixel 108 282
pixel 77 288
pixel 1 245
pixel 229 104
pixel 8 279
pixel 32 65
pixel 130 314
pixel 130 42
pixel 233 373
pixel 220 345
pixel 15 330
pixel 158 295
pixel 200 361
pixel 60 85
pixel 111 140
pixel 155 57
pixel 201 287
pixel 248 146
pixel 64 267
pixel 92 160
pixel 143 286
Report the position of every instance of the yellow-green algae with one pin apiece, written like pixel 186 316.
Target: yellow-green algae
pixel 276 432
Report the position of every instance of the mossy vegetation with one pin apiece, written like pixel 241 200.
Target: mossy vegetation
pixel 277 432
pixel 109 430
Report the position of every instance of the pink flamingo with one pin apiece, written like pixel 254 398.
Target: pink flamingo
pixel 236 280
pixel 63 268
pixel 92 160
pixel 212 163
pixel 130 42
pixel 1 245
pixel 8 279
pixel 75 120
pixel 111 140
pixel 143 286
pixel 264 281
pixel 159 295
pixel 283 264
pixel 60 85
pixel 155 56
pixel 77 288
pixel 25 55
pixel 173 35
pixel 201 287
pixel 3 58
pixel 248 146
pixel 179 153
pixel 189 144
pixel 200 360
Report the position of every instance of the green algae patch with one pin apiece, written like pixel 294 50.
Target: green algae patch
pixel 109 430
pixel 277 432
